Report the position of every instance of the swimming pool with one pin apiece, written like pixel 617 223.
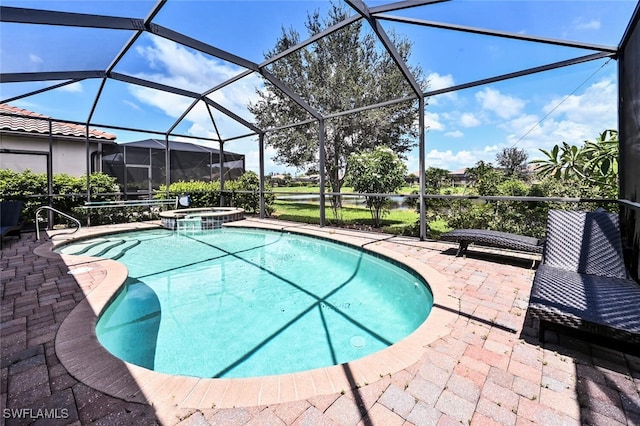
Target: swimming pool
pixel 240 302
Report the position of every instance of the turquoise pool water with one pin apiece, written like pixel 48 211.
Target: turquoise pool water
pixel 243 302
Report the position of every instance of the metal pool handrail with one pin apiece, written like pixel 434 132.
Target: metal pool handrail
pixel 60 213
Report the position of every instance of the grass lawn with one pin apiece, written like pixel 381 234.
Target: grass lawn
pixel 346 189
pixel 395 222
pixel 296 189
pixel 310 213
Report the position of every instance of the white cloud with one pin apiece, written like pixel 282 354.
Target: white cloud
pixel 572 119
pixel 252 161
pixel 132 104
pixel 454 160
pixel 596 106
pixel 454 134
pixel 179 66
pixel 72 88
pixel 450 160
pixel 469 120
pixel 175 65
pixel 432 121
pixel 504 106
pixel 171 104
pixel 413 163
pixel 35 58
pixel 580 24
pixel 437 81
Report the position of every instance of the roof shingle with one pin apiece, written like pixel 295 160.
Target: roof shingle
pixel 39 126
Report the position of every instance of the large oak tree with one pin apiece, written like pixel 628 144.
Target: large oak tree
pixel 347 69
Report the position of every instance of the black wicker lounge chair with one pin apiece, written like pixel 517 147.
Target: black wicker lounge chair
pixel 583 283
pixel 10 223
pixel 485 237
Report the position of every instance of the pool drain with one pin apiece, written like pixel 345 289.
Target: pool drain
pixel 358 342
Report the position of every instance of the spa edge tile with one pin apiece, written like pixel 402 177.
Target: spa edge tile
pixel 215 393
pixel 237 394
pixel 182 388
pixel 196 393
pixel 366 370
pixel 304 384
pixel 148 380
pixel 288 391
pixel 339 380
pixel 269 390
pixel 167 394
pixel 322 381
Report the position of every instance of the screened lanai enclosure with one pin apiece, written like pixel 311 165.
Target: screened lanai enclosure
pixel 191 71
pixel 140 166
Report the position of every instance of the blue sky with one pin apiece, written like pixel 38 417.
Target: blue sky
pixel 570 104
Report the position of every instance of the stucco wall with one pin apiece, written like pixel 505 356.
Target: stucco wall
pixel 69 156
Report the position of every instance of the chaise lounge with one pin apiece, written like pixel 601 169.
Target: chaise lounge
pixel 582 282
pixel 486 237
pixel 10 223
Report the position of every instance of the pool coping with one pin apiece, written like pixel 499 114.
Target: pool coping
pixel 80 352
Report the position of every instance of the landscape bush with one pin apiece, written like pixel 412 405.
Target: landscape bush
pixel 69 192
pixel 242 192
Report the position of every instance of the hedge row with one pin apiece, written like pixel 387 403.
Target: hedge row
pixel 70 195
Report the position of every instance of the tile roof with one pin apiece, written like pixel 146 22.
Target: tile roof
pixel 461 171
pixel 39 126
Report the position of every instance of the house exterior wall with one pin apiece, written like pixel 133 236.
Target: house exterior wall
pixel 19 153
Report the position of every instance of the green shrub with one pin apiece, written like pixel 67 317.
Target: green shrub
pixel 250 202
pixel 69 193
pixel 207 194
pixel 202 194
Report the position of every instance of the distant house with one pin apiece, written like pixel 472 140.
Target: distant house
pixel 531 170
pixel 314 179
pixel 279 179
pixel 29 140
pixel 412 178
pixel 459 177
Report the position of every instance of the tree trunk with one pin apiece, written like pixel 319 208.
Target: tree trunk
pixel 334 177
pixel 336 185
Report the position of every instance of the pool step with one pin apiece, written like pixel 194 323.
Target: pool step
pixel 111 249
pixel 125 249
pixel 82 248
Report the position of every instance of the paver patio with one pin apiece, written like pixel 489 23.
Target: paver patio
pixel 490 368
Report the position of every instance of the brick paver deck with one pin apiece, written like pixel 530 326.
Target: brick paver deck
pixel 487 370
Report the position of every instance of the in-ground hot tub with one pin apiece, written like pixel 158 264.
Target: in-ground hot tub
pixel 200 218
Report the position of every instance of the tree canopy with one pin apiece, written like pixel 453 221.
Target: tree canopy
pixel 378 171
pixel 513 160
pixel 345 70
pixel 436 178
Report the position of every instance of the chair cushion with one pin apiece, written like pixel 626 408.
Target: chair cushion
pixel 585 242
pixel 10 213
